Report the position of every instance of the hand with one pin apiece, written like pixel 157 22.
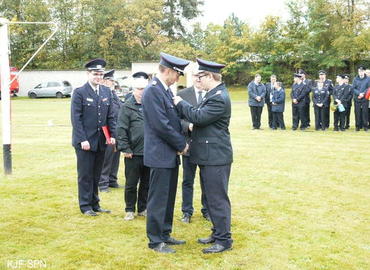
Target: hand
pixel 338 101
pixel 112 141
pixel 360 96
pixel 191 126
pixel 176 100
pixel 85 145
pixel 184 151
pixel 319 104
pixel 258 98
pixel 295 101
pixel 127 155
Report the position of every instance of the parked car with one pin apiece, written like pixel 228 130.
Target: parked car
pixel 57 89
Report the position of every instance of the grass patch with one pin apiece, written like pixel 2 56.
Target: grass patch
pixel 300 200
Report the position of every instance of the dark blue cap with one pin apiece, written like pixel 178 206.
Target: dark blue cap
pixel 301 71
pixel 297 75
pixel 322 72
pixel 209 66
pixel 96 64
pixel 140 74
pixel 346 76
pixel 173 62
pixel 343 76
pixel 109 75
pixel 362 68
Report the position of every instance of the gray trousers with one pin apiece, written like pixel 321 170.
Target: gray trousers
pixel 109 171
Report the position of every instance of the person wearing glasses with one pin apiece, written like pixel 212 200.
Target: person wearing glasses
pixel 210 148
pixel 163 142
pixel 91 109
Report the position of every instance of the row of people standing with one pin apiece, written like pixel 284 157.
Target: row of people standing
pixel 322 91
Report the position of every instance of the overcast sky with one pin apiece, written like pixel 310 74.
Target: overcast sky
pixel 251 11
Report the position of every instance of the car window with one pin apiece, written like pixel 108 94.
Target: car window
pixel 38 86
pixel 65 83
pixel 53 84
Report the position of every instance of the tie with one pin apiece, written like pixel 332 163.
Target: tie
pixel 200 97
pixel 170 92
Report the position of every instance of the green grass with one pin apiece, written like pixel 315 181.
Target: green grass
pixel 300 200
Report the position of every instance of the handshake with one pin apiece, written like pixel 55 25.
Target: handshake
pixel 183 152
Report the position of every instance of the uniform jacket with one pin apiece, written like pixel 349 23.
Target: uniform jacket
pixel 299 92
pixel 162 128
pixel 278 97
pixel 309 85
pixel 320 96
pixel 254 91
pixel 360 85
pixel 130 128
pixel 89 112
pixel 210 140
pixel 343 93
pixel 269 89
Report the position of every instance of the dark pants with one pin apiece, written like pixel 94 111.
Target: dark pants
pixel 161 202
pixel 89 165
pixel 109 171
pixel 189 170
pixel 298 116
pixel 256 112
pixel 270 113
pixel 327 113
pixel 278 120
pixel 339 118
pixel 215 181
pixel 348 116
pixel 307 113
pixel 320 117
pixel 361 114
pixel 135 171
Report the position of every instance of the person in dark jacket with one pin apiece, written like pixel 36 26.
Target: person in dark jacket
pixel 360 85
pixel 320 98
pixel 277 106
pixel 91 110
pixel 194 96
pixel 210 148
pixel 130 140
pixel 269 90
pixel 298 96
pixel 257 93
pixel 108 177
pixel 309 85
pixel 328 84
pixel 349 103
pixel 163 142
pixel 341 96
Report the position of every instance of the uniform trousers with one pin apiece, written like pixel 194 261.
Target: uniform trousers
pixel 299 116
pixel 256 112
pixel 215 181
pixel 89 165
pixel 161 202
pixel 270 113
pixel 109 171
pixel 278 120
pixel 361 114
pixel 136 172
pixel 339 118
pixel 348 116
pixel 189 170
pixel 307 113
pixel 320 117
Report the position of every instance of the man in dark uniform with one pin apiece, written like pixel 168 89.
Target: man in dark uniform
pixel 320 97
pixel 298 95
pixel 211 150
pixel 328 84
pixel 341 95
pixel 130 140
pixel 194 96
pixel 360 85
pixel 269 90
pixel 256 100
pixel 163 141
pixel 309 86
pixel 108 177
pixel 91 109
pixel 349 104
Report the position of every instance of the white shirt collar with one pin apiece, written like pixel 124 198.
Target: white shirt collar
pixel 95 89
pixel 163 83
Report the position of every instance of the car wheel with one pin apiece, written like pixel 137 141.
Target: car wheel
pixel 59 95
pixel 32 95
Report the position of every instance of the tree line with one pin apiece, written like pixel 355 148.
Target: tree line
pixel 319 34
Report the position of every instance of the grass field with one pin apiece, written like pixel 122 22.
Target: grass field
pixel 300 200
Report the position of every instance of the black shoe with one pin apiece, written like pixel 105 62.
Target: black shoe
pixel 163 248
pixel 104 190
pixel 207 217
pixel 336 129
pixel 90 213
pixel 357 129
pixel 101 210
pixel 206 241
pixel 366 129
pixel 173 241
pixel 186 218
pixel 294 128
pixel 216 248
pixel 115 186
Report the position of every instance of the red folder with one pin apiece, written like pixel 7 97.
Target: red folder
pixel 106 133
pixel 367 95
